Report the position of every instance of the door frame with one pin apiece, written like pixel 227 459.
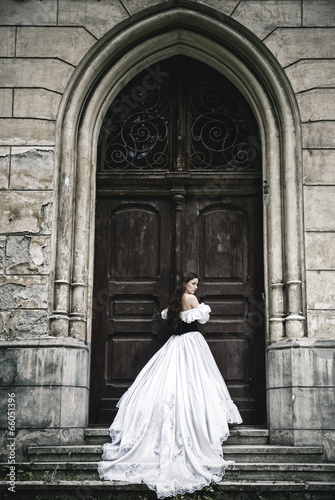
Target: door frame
pixel 230 49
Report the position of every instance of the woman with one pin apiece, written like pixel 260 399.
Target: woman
pixel 173 419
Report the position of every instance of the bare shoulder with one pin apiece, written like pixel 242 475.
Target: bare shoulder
pixel 189 302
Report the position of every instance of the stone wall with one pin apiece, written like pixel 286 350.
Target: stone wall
pixel 41 44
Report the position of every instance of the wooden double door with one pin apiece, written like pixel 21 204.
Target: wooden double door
pixel 141 242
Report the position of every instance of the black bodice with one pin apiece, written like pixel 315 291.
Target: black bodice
pixel 187 327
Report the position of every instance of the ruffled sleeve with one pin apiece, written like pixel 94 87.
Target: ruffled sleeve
pixel 164 314
pixel 200 313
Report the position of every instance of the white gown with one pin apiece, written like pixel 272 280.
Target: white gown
pixel 173 419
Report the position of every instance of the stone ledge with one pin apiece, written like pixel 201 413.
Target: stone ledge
pixel 240 431
pixel 238 453
pixel 304 342
pixel 252 466
pixel 225 485
pixel 48 341
pixel 255 449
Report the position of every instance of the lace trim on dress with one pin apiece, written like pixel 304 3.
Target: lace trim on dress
pixel 200 313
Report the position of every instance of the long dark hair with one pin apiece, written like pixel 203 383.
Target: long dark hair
pixel 175 305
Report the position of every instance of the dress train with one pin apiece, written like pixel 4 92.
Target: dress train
pixel 173 419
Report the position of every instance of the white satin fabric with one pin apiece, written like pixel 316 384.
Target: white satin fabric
pixel 173 419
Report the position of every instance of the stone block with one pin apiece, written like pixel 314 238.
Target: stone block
pixel 27 255
pixel 3 322
pixel 319 166
pixel 69 44
pixel 320 251
pixel 318 366
pixel 283 437
pixel 321 324
pixel 2 253
pixel 134 6
pixel 318 135
pixel 41 365
pixel 279 368
pixel 51 74
pixel 307 437
pixel 317 437
pixel 263 17
pixel 319 13
pixel 7 40
pixel 32 168
pixel 328 443
pixel 36 407
pixel 317 104
pixel 289 45
pixel 285 362
pixel 96 19
pixel 17 254
pixel 74 406
pixel 314 407
pixel 308 74
pixel 319 208
pixel 320 289
pixel 41 437
pixel 226 7
pixel 36 103
pixel 25 324
pixel 306 406
pixel 6 102
pixel 29 292
pixel 280 408
pixel 75 367
pixel 25 212
pixel 32 12
pixel 4 167
pixel 25 131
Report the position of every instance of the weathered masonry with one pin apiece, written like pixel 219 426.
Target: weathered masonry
pixel 140 138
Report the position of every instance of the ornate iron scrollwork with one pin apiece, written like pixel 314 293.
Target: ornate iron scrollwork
pixel 216 127
pixel 223 130
pixel 135 134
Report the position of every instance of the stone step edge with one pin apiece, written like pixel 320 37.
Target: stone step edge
pixel 243 449
pixel 241 431
pixel 225 485
pixel 254 466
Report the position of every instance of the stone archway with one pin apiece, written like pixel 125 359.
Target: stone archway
pixel 103 72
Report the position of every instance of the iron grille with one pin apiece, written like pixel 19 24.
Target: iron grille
pixel 179 108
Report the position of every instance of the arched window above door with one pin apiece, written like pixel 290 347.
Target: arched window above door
pixel 177 115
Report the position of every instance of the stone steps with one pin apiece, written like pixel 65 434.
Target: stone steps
pixel 106 490
pixel 259 468
pixel 238 435
pixel 272 453
pixel 258 471
pixel 238 453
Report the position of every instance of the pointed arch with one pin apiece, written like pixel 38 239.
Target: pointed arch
pixel 229 48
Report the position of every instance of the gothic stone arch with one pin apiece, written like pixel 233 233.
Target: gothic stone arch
pixel 112 62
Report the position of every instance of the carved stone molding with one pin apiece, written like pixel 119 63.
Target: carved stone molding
pixel 95 83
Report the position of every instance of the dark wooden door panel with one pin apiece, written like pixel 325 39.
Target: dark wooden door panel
pixel 136 249
pixel 221 242
pixel 133 275
pixel 133 263
pixel 224 248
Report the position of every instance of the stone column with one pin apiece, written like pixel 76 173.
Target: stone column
pixel 81 238
pixel 62 237
pixel 274 233
pixel 292 196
